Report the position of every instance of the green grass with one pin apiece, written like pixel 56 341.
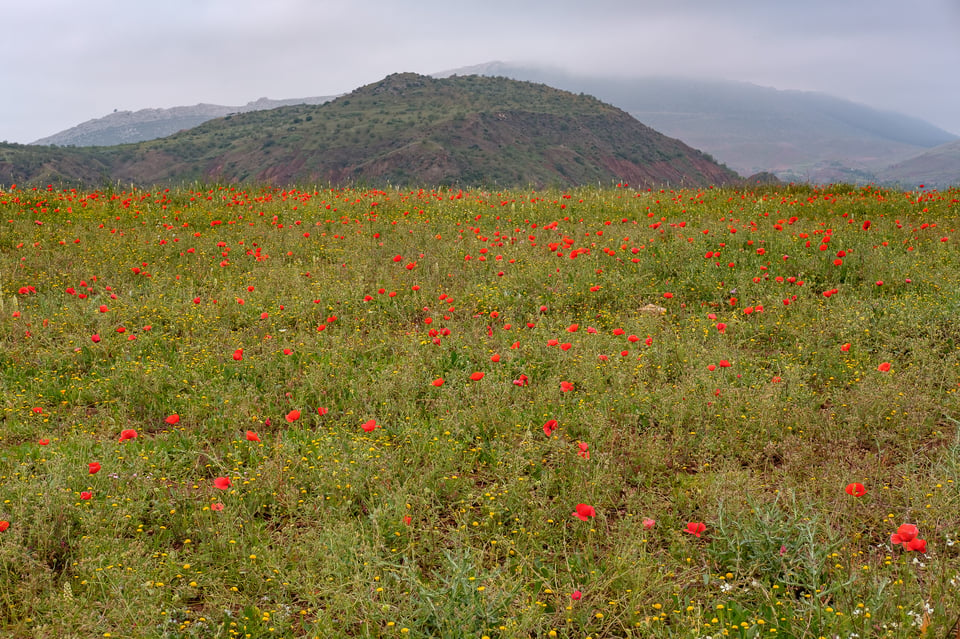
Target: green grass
pixel 453 517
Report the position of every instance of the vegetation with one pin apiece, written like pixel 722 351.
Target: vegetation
pixel 435 412
pixel 405 129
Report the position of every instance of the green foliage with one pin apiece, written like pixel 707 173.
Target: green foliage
pixel 234 308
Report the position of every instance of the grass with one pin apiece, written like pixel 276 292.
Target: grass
pixel 453 517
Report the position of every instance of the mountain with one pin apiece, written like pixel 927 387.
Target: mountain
pixel 799 136
pixel 407 129
pixel 124 127
pixel 939 167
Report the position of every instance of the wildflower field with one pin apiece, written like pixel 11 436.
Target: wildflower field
pixel 442 413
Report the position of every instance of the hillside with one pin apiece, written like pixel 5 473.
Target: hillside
pixel 124 127
pixel 799 136
pixel 938 167
pixel 406 129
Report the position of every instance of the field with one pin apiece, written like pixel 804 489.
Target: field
pixel 442 413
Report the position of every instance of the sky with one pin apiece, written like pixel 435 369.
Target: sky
pixel 65 62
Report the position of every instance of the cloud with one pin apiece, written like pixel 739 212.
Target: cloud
pixel 83 60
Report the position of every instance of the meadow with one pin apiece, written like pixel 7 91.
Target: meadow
pixel 602 412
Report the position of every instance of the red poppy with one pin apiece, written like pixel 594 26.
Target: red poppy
pixel 222 483
pixel 4 525
pixel 252 436
pixel 322 411
pixel 584 450
pixel 566 387
pixel 918 545
pixel 95 338
pixel 495 358
pixel 845 347
pixel 437 382
pixel 576 595
pixel 549 427
pixel 573 328
pixel 856 489
pixel 293 415
pixel 407 519
pixel 904 534
pixel 884 367
pixel 86 495
pixel 103 308
pixel 94 467
pixel 725 364
pixel 723 327
pixel 217 506
pixel 173 419
pixel 476 377
pixel 127 433
pixel 648 523
pixel 369 426
pixel 238 354
pixel 44 442
pixel 584 512
pixel 695 528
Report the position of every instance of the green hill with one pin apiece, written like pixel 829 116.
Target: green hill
pixel 404 129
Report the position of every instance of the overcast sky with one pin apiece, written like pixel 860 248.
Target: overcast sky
pixel 66 61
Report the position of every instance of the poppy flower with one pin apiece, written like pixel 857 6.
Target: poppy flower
pixel 407 519
pixel 905 534
pixel 695 528
pixel 252 436
pixel 722 328
pixel 103 308
pixel 648 523
pixel 94 467
pixel 293 416
pixel 495 358
pixel 173 419
pixel 918 545
pixel 584 512
pixel 576 595
pixel 44 442
pixel 845 347
pixel 884 367
pixel 523 381
pixel 566 387
pixel 476 377
pixel 95 338
pixel 322 411
pixel 369 426
pixel 584 450
pixel 573 328
pixel 127 433
pixel 856 489
pixel 725 364
pixel 549 427
pixel 238 354
pixel 86 495
pixel 217 507
pixel 222 483
pixel 4 525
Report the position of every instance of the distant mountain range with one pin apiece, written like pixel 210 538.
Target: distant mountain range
pixel 406 129
pixel 124 127
pixel 798 136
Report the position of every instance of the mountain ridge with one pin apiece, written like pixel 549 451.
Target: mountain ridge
pixel 797 135
pixel 406 128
